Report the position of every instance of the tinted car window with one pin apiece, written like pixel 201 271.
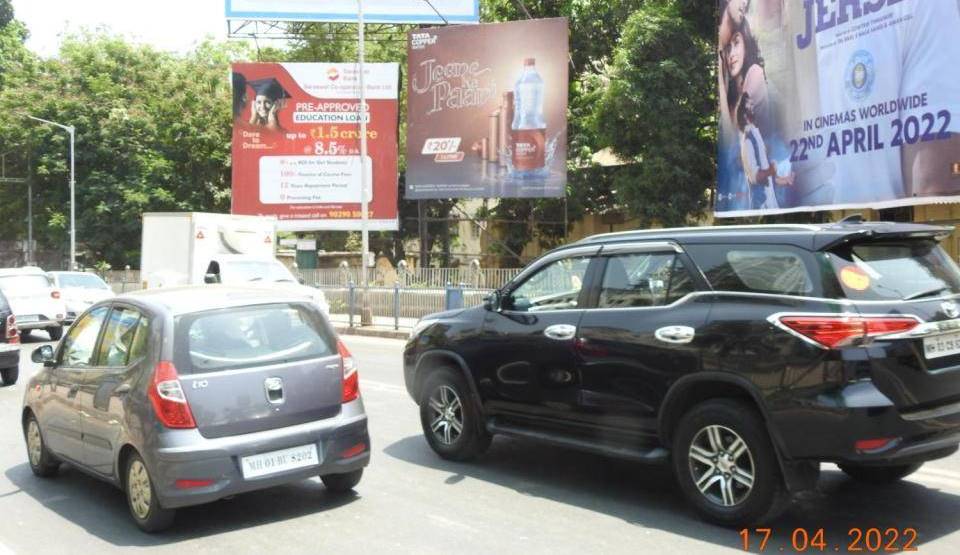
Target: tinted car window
pixel 776 269
pixel 80 342
pixel 250 336
pixel 118 337
pixel 895 270
pixel 643 280
pixel 554 287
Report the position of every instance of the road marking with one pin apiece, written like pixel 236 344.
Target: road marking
pixel 449 523
pixel 372 385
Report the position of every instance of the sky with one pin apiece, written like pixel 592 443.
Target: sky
pixel 175 25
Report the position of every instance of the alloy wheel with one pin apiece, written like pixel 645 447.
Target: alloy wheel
pixel 138 487
pixel 446 416
pixel 721 465
pixel 34 442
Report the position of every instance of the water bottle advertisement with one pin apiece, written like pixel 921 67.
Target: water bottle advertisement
pixel 487 110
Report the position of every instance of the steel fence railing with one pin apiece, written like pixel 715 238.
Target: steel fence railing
pixel 486 278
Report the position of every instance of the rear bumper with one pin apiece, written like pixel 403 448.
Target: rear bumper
pixel 828 428
pixel 39 324
pixel 9 356
pixel 185 454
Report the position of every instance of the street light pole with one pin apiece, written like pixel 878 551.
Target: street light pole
pixel 71 130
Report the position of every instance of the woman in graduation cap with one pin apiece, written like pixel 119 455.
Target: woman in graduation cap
pixel 267 102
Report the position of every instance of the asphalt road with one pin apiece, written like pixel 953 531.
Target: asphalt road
pixel 519 498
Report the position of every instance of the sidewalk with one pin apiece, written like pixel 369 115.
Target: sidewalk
pixel 383 326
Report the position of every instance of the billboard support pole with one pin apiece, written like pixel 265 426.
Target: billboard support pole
pixel 365 317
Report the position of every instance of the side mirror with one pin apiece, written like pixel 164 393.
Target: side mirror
pixel 43 355
pixel 302 281
pixel 492 301
pixel 211 278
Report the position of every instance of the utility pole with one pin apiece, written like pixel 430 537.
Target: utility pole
pixel 71 130
pixel 364 224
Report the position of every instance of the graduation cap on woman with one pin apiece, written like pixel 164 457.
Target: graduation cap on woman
pixel 269 88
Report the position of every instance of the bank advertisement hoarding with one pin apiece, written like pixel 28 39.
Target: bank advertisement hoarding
pixel 487 110
pixel 345 11
pixel 831 105
pixel 296 144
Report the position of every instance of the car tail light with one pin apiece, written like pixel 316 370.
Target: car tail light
pixel 351 378
pixel 166 395
pixel 189 484
pixel 55 294
pixel 353 451
pixel 836 331
pixel 12 332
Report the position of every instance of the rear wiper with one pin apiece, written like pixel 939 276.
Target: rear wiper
pixel 928 293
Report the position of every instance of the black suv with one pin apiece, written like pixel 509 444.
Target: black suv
pixel 744 355
pixel 9 344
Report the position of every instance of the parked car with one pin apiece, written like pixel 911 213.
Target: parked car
pixel 79 290
pixel 36 302
pixel 745 356
pixel 9 344
pixel 182 396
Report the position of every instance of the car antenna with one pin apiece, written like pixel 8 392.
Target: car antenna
pixel 852 219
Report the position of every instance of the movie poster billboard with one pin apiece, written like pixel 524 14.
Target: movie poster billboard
pixel 296 144
pixel 837 104
pixel 487 110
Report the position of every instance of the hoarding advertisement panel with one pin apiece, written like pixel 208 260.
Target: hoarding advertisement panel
pixel 296 144
pixel 829 105
pixel 487 111
pixel 345 11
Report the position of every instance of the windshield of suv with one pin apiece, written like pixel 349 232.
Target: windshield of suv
pixel 249 336
pixel 83 281
pixel 239 271
pixel 895 270
pixel 24 282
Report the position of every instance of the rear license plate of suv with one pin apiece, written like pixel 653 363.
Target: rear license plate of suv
pixel 942 345
pixel 279 461
pixel 28 318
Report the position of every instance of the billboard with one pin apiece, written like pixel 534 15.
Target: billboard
pixel 345 11
pixel 487 110
pixel 296 144
pixel 830 105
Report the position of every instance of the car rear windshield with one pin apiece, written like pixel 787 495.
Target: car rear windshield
pixel 895 270
pixel 24 282
pixel 250 336
pixel 84 281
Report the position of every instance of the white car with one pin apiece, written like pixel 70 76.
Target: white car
pixel 79 290
pixel 36 303
pixel 267 273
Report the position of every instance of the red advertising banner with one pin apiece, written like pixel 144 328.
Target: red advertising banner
pixel 296 144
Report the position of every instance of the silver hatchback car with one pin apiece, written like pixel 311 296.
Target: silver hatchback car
pixel 184 396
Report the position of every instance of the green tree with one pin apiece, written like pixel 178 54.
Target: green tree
pixel 657 110
pixel 153 133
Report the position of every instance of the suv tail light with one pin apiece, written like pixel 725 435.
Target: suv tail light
pixel 55 294
pixel 351 378
pixel 12 332
pixel 832 331
pixel 166 395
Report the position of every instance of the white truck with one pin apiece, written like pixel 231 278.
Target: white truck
pixel 191 248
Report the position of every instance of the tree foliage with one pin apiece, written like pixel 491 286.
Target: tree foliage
pixel 152 134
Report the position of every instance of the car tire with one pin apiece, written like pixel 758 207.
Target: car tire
pixel 55 333
pixel 42 462
pixel 342 483
pixel 446 404
pixel 9 375
pixel 879 475
pixel 142 497
pixel 743 489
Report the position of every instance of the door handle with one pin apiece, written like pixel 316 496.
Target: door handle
pixel 677 335
pixel 560 332
pixel 122 389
